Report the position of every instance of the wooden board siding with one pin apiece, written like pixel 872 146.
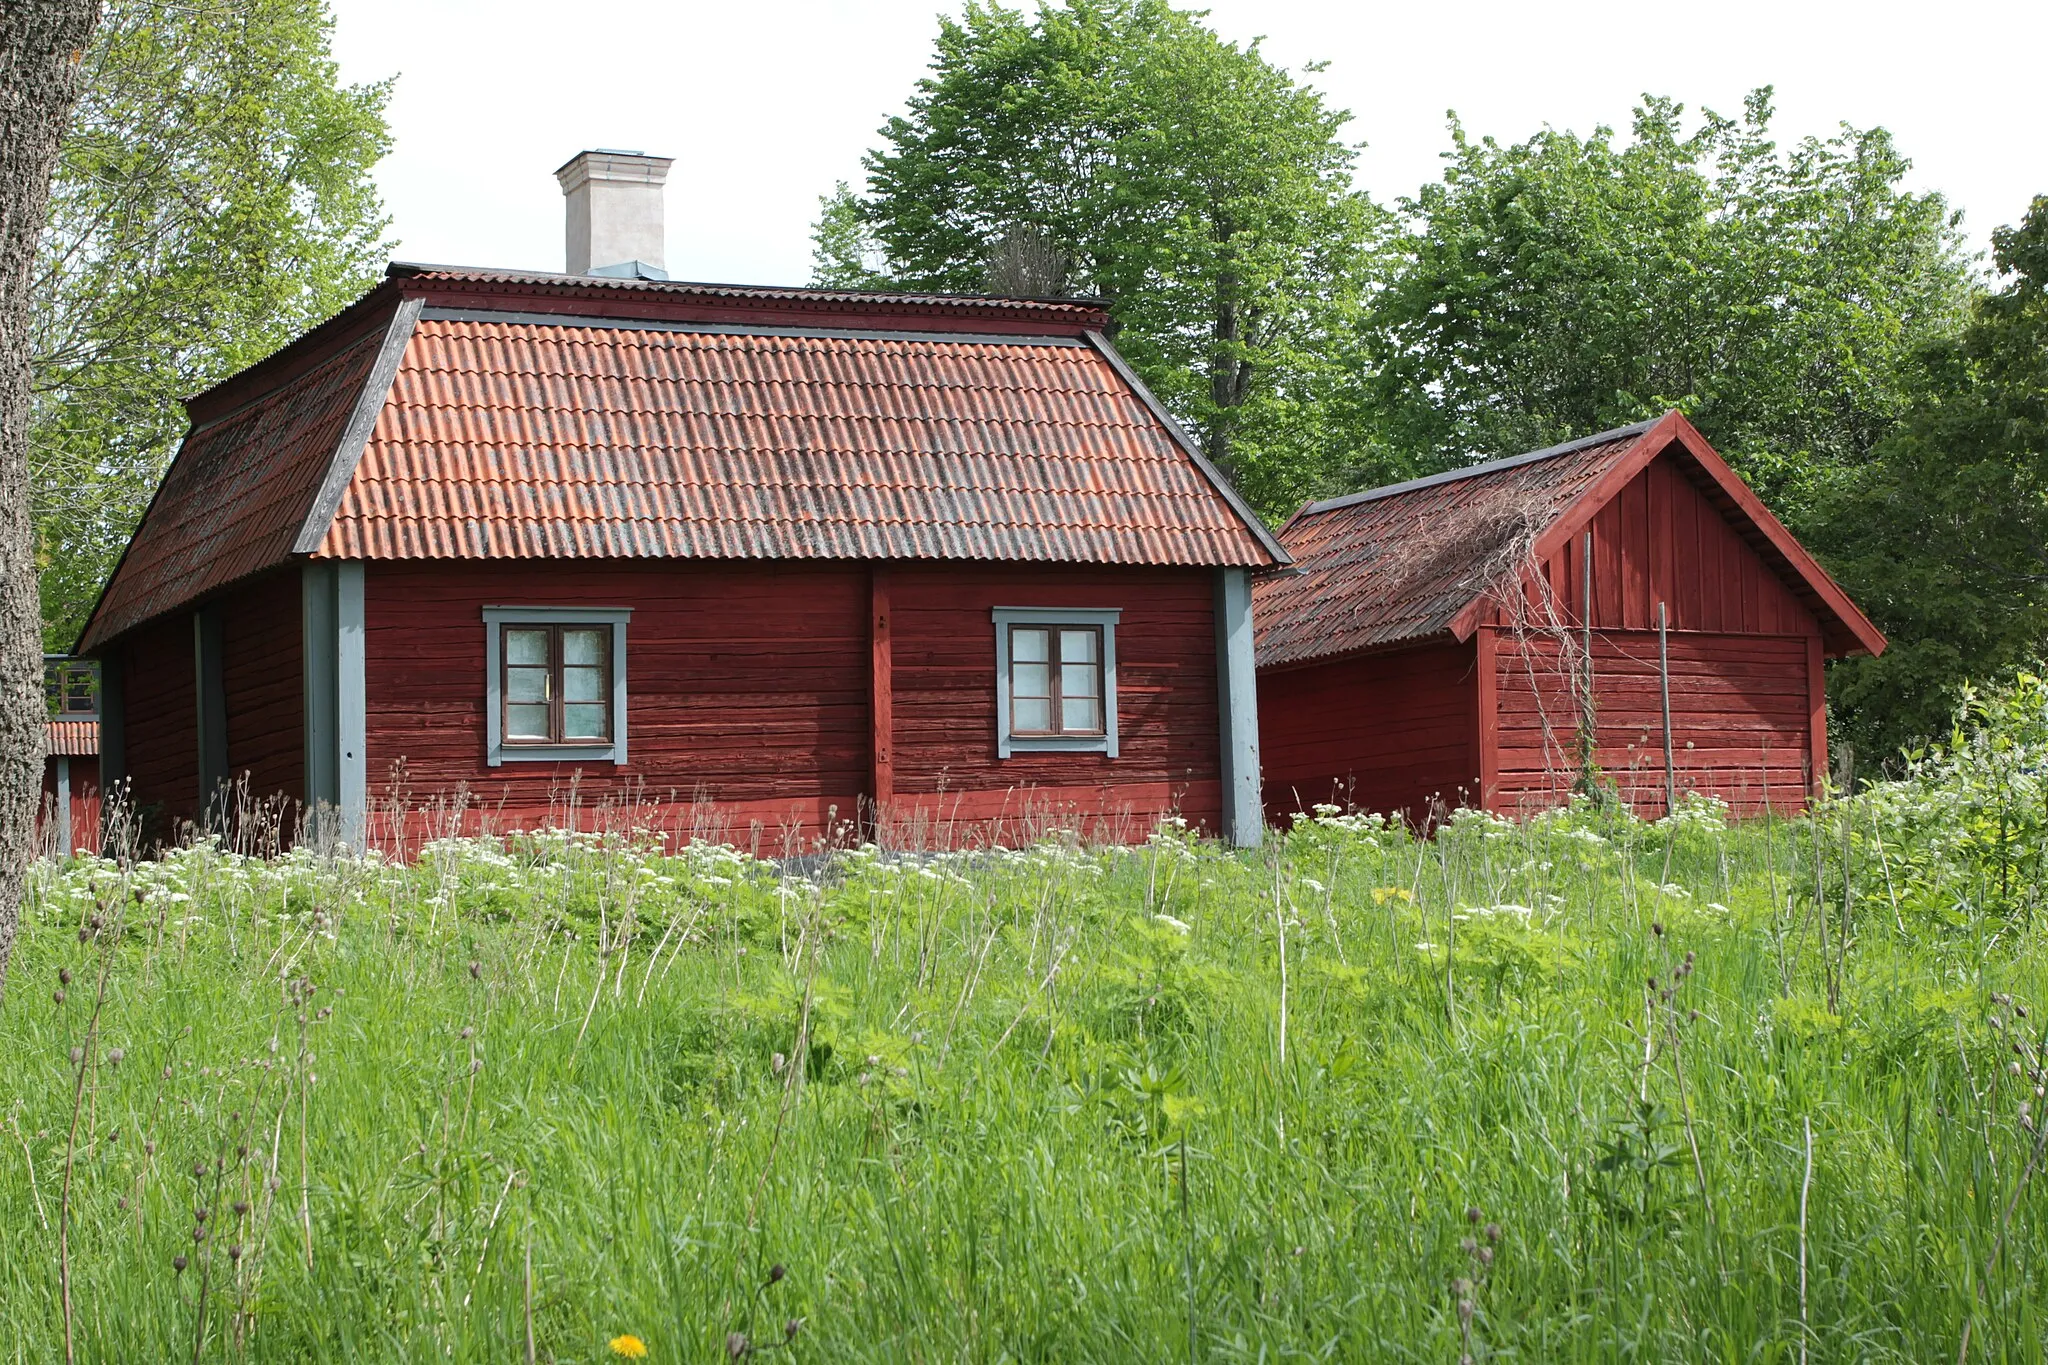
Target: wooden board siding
pixel 1662 540
pixel 1383 732
pixel 160 723
pixel 747 687
pixel 85 804
pixel 942 642
pixel 261 668
pixel 752 698
pixel 1739 708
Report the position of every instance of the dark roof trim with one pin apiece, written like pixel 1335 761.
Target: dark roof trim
pixel 1470 471
pixel 1194 452
pixel 361 422
pixel 712 289
pixel 437 314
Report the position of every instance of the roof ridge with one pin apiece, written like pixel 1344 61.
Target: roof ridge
pixel 416 269
pixel 1487 467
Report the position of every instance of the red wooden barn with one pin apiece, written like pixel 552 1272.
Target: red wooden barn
pixel 1431 644
pixel 770 556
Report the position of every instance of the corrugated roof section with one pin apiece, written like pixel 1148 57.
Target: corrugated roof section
pixel 71 738
pixel 528 440
pixel 1400 563
pixel 235 496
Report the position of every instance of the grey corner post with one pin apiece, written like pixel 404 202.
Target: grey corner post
pixel 61 816
pixel 1237 705
pixel 351 701
pixel 337 773
pixel 210 689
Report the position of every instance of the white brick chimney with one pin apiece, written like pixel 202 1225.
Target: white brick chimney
pixel 614 219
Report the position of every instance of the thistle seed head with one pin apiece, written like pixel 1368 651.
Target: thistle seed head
pixel 1473 1215
pixel 63 976
pixel 736 1345
pixel 178 1264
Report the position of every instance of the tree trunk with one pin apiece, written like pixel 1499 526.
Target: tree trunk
pixel 42 43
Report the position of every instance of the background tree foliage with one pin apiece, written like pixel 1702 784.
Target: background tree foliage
pixel 1944 537
pixel 213 199
pixel 1200 189
pixel 1560 286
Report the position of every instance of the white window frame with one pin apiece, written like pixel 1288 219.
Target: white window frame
pixel 497 752
pixel 1106 619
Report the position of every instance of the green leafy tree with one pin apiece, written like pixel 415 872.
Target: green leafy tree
pixel 1944 536
pixel 1564 285
pixel 212 199
pixel 1121 149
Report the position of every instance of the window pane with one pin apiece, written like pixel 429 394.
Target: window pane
pixel 526 647
pixel 1079 680
pixel 1077 646
pixel 585 647
pixel 526 684
pixel 585 722
pixel 1031 715
pixel 1031 680
pixel 582 684
pixel 1029 646
pixel 526 722
pixel 1080 715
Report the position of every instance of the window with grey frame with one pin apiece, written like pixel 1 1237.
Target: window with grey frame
pixel 555 684
pixel 1056 680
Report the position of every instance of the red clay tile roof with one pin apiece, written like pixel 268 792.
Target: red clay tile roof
pixel 522 440
pixel 688 420
pixel 1398 563
pixel 71 738
pixel 236 496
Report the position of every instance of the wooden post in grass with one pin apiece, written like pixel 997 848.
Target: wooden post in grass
pixel 1664 680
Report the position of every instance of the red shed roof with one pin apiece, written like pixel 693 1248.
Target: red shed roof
pixel 486 414
pixel 71 738
pixel 1420 558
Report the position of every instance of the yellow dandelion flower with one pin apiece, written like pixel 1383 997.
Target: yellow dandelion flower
pixel 629 1346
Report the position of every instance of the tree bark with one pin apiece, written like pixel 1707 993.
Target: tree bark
pixel 42 44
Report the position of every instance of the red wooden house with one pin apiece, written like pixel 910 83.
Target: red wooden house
pixel 786 556
pixel 1432 644
pixel 69 818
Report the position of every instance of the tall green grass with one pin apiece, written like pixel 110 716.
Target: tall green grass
pixel 1356 1096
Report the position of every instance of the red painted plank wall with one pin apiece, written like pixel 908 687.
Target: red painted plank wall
pixel 261 671
pixel 1382 732
pixel 85 804
pixel 160 725
pixel 1739 708
pixel 1661 540
pixel 944 685
pixel 747 687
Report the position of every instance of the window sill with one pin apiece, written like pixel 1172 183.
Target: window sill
pixel 1057 744
pixel 558 753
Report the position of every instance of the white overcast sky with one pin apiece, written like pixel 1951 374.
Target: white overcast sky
pixel 764 104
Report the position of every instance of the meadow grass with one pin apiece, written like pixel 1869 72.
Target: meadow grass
pixel 1582 1088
